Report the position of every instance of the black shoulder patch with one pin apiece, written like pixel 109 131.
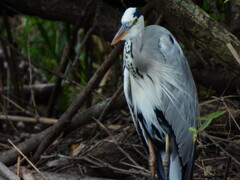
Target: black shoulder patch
pixel 129 91
pixel 150 78
pixel 141 47
pixel 162 121
pixel 171 39
pixel 137 13
pixel 139 74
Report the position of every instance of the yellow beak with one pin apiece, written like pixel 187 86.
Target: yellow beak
pixel 120 34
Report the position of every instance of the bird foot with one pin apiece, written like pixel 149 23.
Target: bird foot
pixel 167 157
pixel 152 168
pixel 166 166
pixel 152 159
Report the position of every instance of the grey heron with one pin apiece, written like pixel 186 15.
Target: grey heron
pixel 161 95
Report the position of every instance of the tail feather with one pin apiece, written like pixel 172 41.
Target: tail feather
pixel 188 169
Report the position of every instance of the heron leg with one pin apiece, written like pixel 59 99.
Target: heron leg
pixel 152 159
pixel 167 157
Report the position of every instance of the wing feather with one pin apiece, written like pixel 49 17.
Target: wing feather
pixel 166 86
pixel 176 87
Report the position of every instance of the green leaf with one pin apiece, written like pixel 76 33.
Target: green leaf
pixel 202 118
pixel 216 114
pixel 194 134
pixel 225 1
pixel 195 137
pixel 205 124
pixel 207 170
pixel 192 129
pixel 209 119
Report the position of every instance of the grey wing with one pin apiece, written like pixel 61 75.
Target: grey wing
pixel 179 102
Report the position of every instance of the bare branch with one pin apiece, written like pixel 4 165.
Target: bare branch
pixel 7 173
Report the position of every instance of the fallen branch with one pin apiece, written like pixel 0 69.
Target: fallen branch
pixel 29 119
pixel 29 145
pixel 95 111
pixel 23 155
pixel 5 172
pixel 100 164
pixel 29 174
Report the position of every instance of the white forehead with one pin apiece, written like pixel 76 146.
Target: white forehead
pixel 128 14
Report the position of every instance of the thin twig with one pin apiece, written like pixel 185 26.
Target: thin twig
pixel 10 156
pixel 224 140
pixel 226 169
pixel 234 52
pixel 11 58
pixel 74 64
pixel 57 74
pixel 17 106
pixel 218 99
pixel 29 119
pixel 106 109
pixel 103 164
pixel 31 79
pixel 78 100
pixel 116 143
pixel 98 163
pixel 18 166
pixel 25 157
pixel 221 158
pixel 220 147
pixel 123 170
pixel 137 167
pixel 234 120
pixel 3 107
pixel 203 168
pixel 65 78
pixel 62 67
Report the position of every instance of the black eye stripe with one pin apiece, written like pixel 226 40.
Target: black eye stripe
pixel 137 13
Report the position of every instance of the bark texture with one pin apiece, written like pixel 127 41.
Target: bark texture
pixel 87 12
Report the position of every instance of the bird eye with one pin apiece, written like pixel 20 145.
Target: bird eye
pixel 135 21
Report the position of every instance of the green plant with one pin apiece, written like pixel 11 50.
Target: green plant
pixel 207 120
pixel 225 1
pixel 219 4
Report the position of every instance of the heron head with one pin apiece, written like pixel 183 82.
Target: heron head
pixel 132 25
